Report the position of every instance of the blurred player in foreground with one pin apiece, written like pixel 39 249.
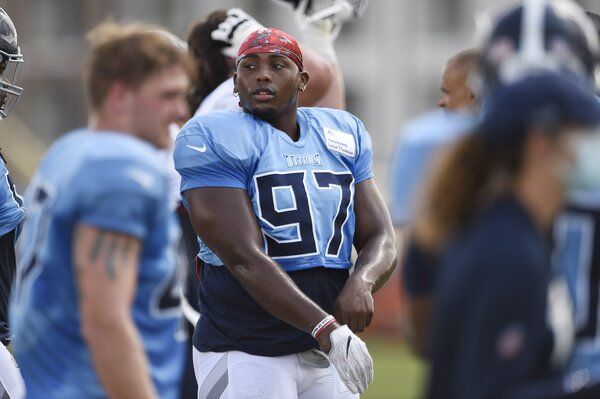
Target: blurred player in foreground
pixel 94 310
pixel 491 204
pixel 11 207
pixel 278 195
pixel 420 142
pixel 501 324
pixel 507 53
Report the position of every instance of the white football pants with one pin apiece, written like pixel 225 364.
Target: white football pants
pixel 238 375
pixel 11 382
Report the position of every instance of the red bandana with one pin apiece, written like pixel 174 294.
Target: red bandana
pixel 270 40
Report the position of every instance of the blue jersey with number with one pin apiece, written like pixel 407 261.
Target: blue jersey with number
pixel 11 205
pixel 302 193
pixel 113 182
pixel 577 258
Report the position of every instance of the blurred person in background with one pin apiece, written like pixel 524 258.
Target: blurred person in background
pixel 558 38
pixel 11 207
pixel 267 292
pixel 506 54
pixel 456 86
pixel 420 141
pixel 95 309
pixel 490 207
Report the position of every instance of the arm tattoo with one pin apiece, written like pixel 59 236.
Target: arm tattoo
pixel 125 251
pixel 97 247
pixel 111 269
pixel 113 250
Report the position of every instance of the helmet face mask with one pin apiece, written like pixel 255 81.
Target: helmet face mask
pixel 10 60
pixel 9 91
pixel 539 36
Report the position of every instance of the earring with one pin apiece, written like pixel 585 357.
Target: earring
pixel 235 93
pixel 301 89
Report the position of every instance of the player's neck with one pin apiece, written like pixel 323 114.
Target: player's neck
pixel 100 122
pixel 287 123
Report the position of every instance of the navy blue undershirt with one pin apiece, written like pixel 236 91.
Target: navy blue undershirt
pixel 232 321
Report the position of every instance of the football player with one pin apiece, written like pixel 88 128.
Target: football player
pixel 11 205
pixel 278 195
pixel 96 309
pixel 213 44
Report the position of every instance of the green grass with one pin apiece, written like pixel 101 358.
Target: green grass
pixel 398 374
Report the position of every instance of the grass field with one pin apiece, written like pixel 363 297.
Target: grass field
pixel 398 375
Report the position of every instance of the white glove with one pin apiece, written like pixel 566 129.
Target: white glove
pixel 234 30
pixel 351 359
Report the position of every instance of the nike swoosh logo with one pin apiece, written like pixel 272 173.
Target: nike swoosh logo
pixel 348 346
pixel 199 149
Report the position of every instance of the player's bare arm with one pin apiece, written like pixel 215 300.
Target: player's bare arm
pixel 322 74
pixel 376 246
pixel 107 268
pixel 215 213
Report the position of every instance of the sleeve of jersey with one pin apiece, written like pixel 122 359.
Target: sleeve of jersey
pixel 363 166
pixel 121 197
pixel 202 161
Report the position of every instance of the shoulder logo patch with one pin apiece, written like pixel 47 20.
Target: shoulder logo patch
pixel 340 142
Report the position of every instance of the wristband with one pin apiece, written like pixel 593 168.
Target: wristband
pixel 323 324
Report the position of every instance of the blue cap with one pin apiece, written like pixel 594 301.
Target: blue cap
pixel 546 100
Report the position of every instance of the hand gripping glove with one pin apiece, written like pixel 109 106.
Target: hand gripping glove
pixel 234 30
pixel 351 359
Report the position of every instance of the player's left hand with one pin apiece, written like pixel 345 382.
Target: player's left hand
pixel 354 305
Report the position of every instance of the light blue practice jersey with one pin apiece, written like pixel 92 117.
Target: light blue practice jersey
pixel 577 259
pixel 11 205
pixel 302 192
pixel 419 141
pixel 114 182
